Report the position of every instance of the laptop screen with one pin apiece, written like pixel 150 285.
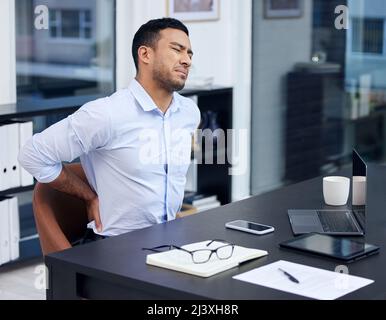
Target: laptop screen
pixel 359 187
pixel 359 166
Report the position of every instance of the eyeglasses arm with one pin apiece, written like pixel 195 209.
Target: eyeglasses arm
pixel 168 246
pixel 218 240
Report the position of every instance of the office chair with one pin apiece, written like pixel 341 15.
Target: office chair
pixel 61 219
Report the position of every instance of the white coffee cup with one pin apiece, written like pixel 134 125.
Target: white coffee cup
pixel 336 190
pixel 358 190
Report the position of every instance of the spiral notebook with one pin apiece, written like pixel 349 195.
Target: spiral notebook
pixel 178 260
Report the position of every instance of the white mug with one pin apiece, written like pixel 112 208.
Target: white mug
pixel 358 190
pixel 336 190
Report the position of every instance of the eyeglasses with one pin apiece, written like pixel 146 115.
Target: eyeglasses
pixel 202 255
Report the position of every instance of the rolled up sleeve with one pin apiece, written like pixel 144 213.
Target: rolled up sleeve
pixel 82 132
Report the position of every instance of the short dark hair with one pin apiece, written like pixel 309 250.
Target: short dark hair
pixel 148 34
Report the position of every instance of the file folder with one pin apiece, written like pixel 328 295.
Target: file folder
pixel 12 151
pixel 14 228
pixel 3 166
pixel 25 133
pixel 4 232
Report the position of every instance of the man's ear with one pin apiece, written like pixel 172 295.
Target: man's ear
pixel 145 54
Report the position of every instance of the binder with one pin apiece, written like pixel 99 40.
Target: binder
pixel 4 232
pixel 14 228
pixel 12 152
pixel 25 133
pixel 3 166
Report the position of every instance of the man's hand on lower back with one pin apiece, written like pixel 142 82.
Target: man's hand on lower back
pixel 93 212
pixel 75 185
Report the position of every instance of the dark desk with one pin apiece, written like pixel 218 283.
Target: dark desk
pixel 115 268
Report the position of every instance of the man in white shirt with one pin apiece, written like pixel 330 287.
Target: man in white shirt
pixel 134 146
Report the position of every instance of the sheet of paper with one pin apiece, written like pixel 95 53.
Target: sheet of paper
pixel 313 282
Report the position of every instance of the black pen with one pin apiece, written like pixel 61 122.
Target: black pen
pixel 291 277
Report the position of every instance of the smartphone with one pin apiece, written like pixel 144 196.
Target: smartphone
pixel 251 227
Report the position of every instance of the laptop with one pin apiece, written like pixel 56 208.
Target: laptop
pixel 333 221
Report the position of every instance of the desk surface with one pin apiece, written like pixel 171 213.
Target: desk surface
pixel 115 268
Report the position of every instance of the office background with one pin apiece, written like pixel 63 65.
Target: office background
pixel 303 118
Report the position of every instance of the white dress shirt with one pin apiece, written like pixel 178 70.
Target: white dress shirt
pixel 135 157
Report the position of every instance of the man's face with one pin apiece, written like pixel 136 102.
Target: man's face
pixel 172 59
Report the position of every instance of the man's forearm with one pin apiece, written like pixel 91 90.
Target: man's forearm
pixel 72 184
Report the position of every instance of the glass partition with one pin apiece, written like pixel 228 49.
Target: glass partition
pixel 319 87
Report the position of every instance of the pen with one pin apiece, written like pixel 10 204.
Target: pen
pixel 291 277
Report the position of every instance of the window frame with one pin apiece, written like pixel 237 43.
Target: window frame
pixel 83 24
pixel 367 55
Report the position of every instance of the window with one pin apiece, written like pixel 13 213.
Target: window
pixel 367 35
pixel 74 57
pixel 308 116
pixel 54 24
pixel 71 24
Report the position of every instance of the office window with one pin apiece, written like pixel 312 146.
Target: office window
pixel 307 116
pixel 71 24
pixel 54 24
pixel 74 57
pixel 367 35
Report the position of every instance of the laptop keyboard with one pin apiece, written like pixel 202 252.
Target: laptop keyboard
pixel 336 221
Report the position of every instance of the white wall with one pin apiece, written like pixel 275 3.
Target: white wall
pixel 7 52
pixel 222 49
pixel 278 45
pixel 241 62
pixel 211 41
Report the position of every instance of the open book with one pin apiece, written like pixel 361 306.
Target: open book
pixel 179 260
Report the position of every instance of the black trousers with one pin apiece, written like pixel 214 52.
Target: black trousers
pixel 89 236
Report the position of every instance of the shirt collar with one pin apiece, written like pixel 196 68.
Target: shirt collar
pixel 146 102
pixel 175 105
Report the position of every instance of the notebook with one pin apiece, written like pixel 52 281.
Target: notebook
pixel 181 261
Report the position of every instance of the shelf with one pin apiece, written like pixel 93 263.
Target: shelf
pixel 29 249
pixel 43 106
pixel 202 92
pixel 39 107
pixel 16 190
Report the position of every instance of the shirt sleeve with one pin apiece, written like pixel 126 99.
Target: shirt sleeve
pixel 86 130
